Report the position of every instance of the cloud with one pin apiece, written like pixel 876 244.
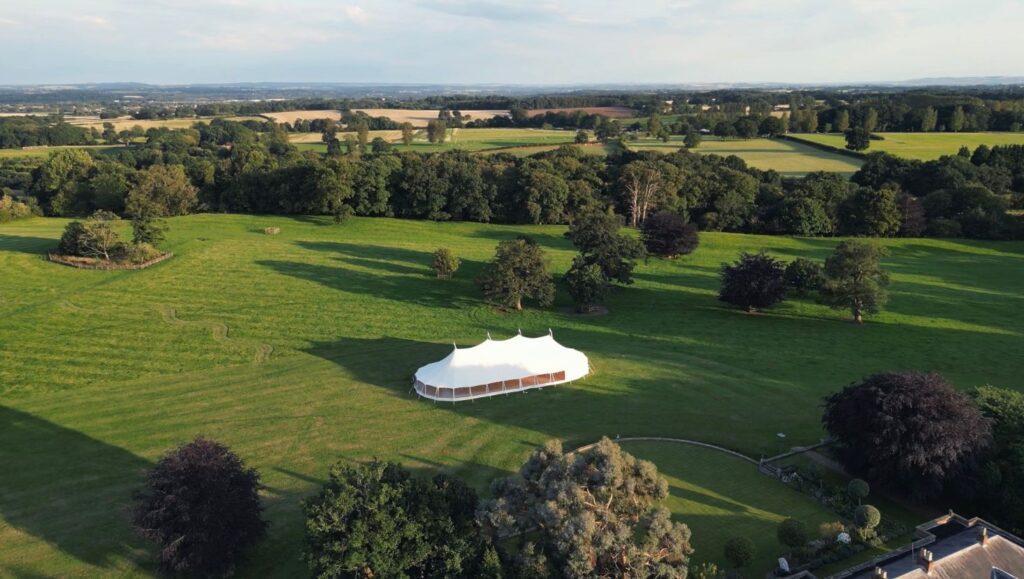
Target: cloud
pixel 356 14
pixel 495 10
pixel 9 22
pixel 95 21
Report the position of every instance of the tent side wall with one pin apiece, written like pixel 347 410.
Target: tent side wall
pixel 492 389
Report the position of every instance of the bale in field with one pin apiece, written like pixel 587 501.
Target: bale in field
pixel 271 230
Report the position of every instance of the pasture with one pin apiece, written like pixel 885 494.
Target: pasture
pixel 788 158
pixel 466 140
pixel 125 123
pixel 45 151
pixel 420 117
pixel 610 112
pixel 921 146
pixel 297 350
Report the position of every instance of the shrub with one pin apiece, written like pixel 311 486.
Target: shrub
pixel 445 263
pixel 804 276
pixel 792 533
pixel 867 517
pixel 201 506
pixel 70 240
pixel 755 281
pixel 739 551
pixel 667 234
pixel 830 530
pixel 858 489
pixel 141 253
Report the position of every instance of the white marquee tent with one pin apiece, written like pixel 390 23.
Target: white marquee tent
pixel 500 366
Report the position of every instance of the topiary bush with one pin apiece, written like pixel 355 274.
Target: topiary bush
pixel 858 489
pixel 739 551
pixel 793 533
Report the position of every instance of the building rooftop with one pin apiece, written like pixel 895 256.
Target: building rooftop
pixel 950 547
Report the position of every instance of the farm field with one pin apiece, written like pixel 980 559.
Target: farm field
pixel 786 157
pixel 45 151
pixel 611 112
pixel 922 146
pixel 297 351
pixel 468 140
pixel 124 123
pixel 420 117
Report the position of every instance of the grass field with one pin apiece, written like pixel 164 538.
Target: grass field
pixel 45 151
pixel 786 157
pixel 297 351
pixel 468 140
pixel 922 146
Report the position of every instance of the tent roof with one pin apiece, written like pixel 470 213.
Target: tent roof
pixel 499 360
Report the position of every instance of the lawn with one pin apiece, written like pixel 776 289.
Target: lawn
pixel 720 497
pixel 922 146
pixel 297 350
pixel 786 157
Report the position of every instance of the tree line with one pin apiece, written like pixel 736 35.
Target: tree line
pixel 235 169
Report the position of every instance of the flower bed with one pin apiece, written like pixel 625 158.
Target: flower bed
pixel 102 264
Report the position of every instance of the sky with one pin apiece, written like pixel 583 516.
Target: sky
pixel 554 42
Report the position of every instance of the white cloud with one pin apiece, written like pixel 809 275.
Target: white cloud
pixel 95 21
pixel 356 14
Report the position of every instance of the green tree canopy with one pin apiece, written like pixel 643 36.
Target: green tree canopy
pixel 854 279
pixel 519 271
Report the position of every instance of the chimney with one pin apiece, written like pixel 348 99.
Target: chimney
pixel 927 560
pixel 983 537
pixel 881 573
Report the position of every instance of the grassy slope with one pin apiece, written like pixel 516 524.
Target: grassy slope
pixel 98 378
pixel 923 146
pixel 721 497
pixel 786 157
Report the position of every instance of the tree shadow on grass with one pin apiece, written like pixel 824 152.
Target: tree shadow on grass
pixel 409 288
pixel 24 244
pixel 548 240
pixel 67 489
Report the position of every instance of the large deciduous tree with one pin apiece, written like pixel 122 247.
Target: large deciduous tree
pixel 640 183
pixel 519 271
pixel 666 234
pixel 858 139
pixel 595 511
pixel 377 520
pixel 906 431
pixel 165 188
pixel 756 281
pixel 201 506
pixel 854 279
pixel 596 235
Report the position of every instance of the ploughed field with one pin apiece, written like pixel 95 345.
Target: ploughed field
pixel 298 350
pixel 922 146
pixel 789 158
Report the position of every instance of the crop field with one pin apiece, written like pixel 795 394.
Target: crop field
pixel 297 350
pixel 420 117
pixel 611 112
pixel 922 146
pixel 292 116
pixel 124 123
pixel 786 157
